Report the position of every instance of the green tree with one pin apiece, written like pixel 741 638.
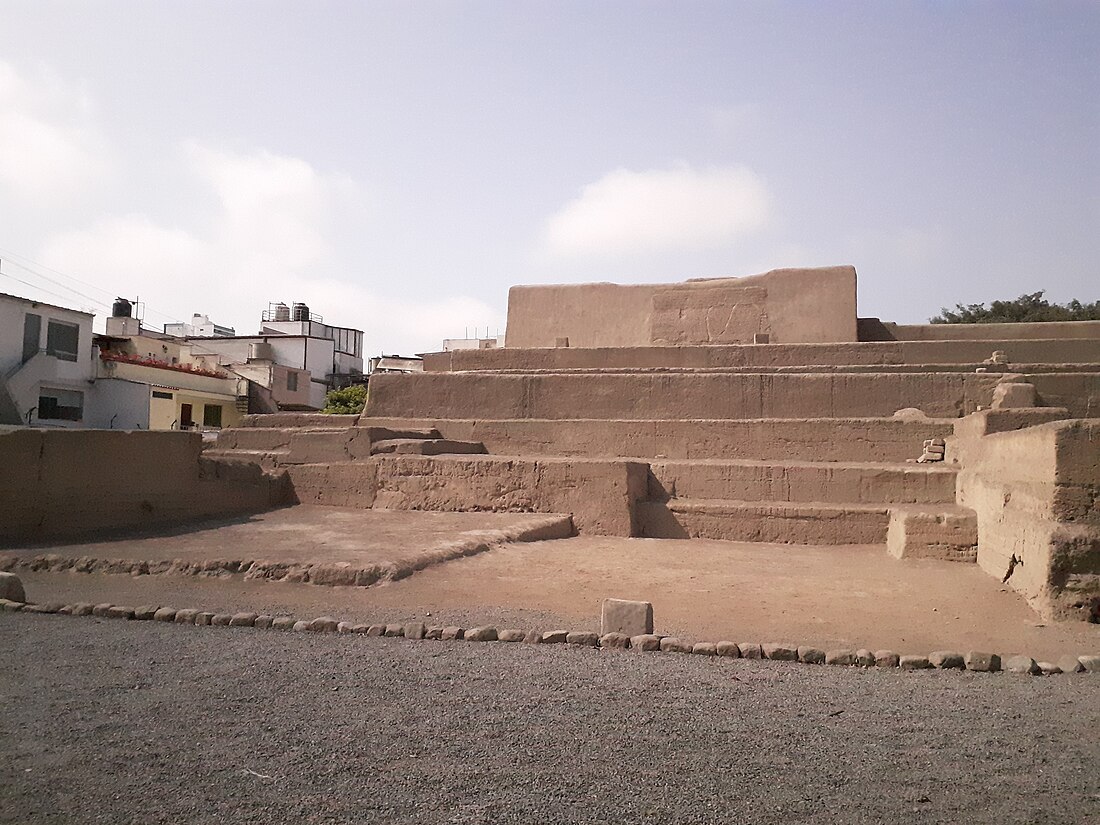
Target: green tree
pixel 1025 309
pixel 348 401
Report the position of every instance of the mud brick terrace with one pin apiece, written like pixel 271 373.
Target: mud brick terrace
pixel 746 455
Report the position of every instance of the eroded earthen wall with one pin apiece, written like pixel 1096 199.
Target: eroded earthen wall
pixel 787 305
pixel 60 483
pixel 1036 492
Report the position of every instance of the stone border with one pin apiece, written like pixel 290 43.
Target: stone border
pixel 976 661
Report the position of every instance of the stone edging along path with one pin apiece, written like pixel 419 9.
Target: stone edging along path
pixel 943 660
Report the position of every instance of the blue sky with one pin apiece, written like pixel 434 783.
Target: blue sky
pixel 399 165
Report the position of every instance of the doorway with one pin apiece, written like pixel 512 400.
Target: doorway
pixel 186 417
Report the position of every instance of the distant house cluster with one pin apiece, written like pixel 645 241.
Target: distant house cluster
pixel 55 372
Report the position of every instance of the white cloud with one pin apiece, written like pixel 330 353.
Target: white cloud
pixel 266 237
pixel 679 208
pixel 50 149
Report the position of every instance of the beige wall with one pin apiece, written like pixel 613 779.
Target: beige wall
pixel 60 483
pixel 980 332
pixel 790 305
pixel 1036 492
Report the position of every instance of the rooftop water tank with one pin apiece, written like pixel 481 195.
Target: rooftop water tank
pixel 122 308
pixel 261 351
pixel 282 312
pixel 301 312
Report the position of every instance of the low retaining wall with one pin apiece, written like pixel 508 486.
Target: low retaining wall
pixel 601 495
pixel 1058 351
pixel 676 395
pixel 64 483
pixel 1036 492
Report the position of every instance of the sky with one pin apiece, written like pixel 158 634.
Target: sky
pixel 397 166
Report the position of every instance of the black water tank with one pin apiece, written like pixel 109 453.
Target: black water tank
pixel 122 308
pixel 300 312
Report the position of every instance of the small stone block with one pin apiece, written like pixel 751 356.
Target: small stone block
pixel 243 620
pixel 728 649
pixel 145 613
pixel 645 642
pixel 434 632
pixel 345 628
pixel 102 610
pixel 781 653
pixel 300 626
pixel 886 658
pixel 447 634
pixel 623 616
pixel 85 609
pixel 914 663
pixel 165 614
pixel 204 618
pixel 1049 668
pixel 188 615
pixel 982 662
pixel 263 622
pixel 415 630
pixel 841 658
pixel 282 623
pixel 481 634
pixel 511 635
pixel 554 637
pixel 1091 663
pixel 378 630
pixel 704 649
pixel 1070 664
pixel 118 611
pixel 946 660
pixel 221 619
pixel 615 641
pixel 865 658
pixel 750 650
pixel 395 631
pixel 324 624
pixel 67 610
pixel 15 607
pixel 533 637
pixel 670 644
pixel 811 655
pixel 360 629
pixel 585 638
pixel 11 588
pixel 1021 664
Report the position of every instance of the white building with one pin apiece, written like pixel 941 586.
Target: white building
pixel 46 363
pixel 200 326
pixel 296 357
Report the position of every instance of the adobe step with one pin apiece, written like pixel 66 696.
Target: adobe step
pixel 427 446
pixel 267 438
pixel 779 522
pixel 822 481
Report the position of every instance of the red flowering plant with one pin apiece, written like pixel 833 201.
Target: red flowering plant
pixel 146 361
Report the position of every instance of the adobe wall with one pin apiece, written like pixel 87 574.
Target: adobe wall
pixel 56 484
pixel 1065 330
pixel 861 439
pixel 600 495
pixel 1036 493
pixel 789 305
pixel 1066 351
pixel 676 395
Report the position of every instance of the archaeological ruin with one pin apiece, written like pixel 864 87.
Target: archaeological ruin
pixel 756 409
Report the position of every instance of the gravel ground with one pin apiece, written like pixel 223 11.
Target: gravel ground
pixel 116 722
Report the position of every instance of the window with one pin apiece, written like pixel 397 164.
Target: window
pixel 32 333
pixel 60 405
pixel 159 394
pixel 212 415
pixel 292 382
pixel 63 340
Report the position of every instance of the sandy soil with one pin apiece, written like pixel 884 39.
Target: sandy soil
pixel 701 590
pixel 303 533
